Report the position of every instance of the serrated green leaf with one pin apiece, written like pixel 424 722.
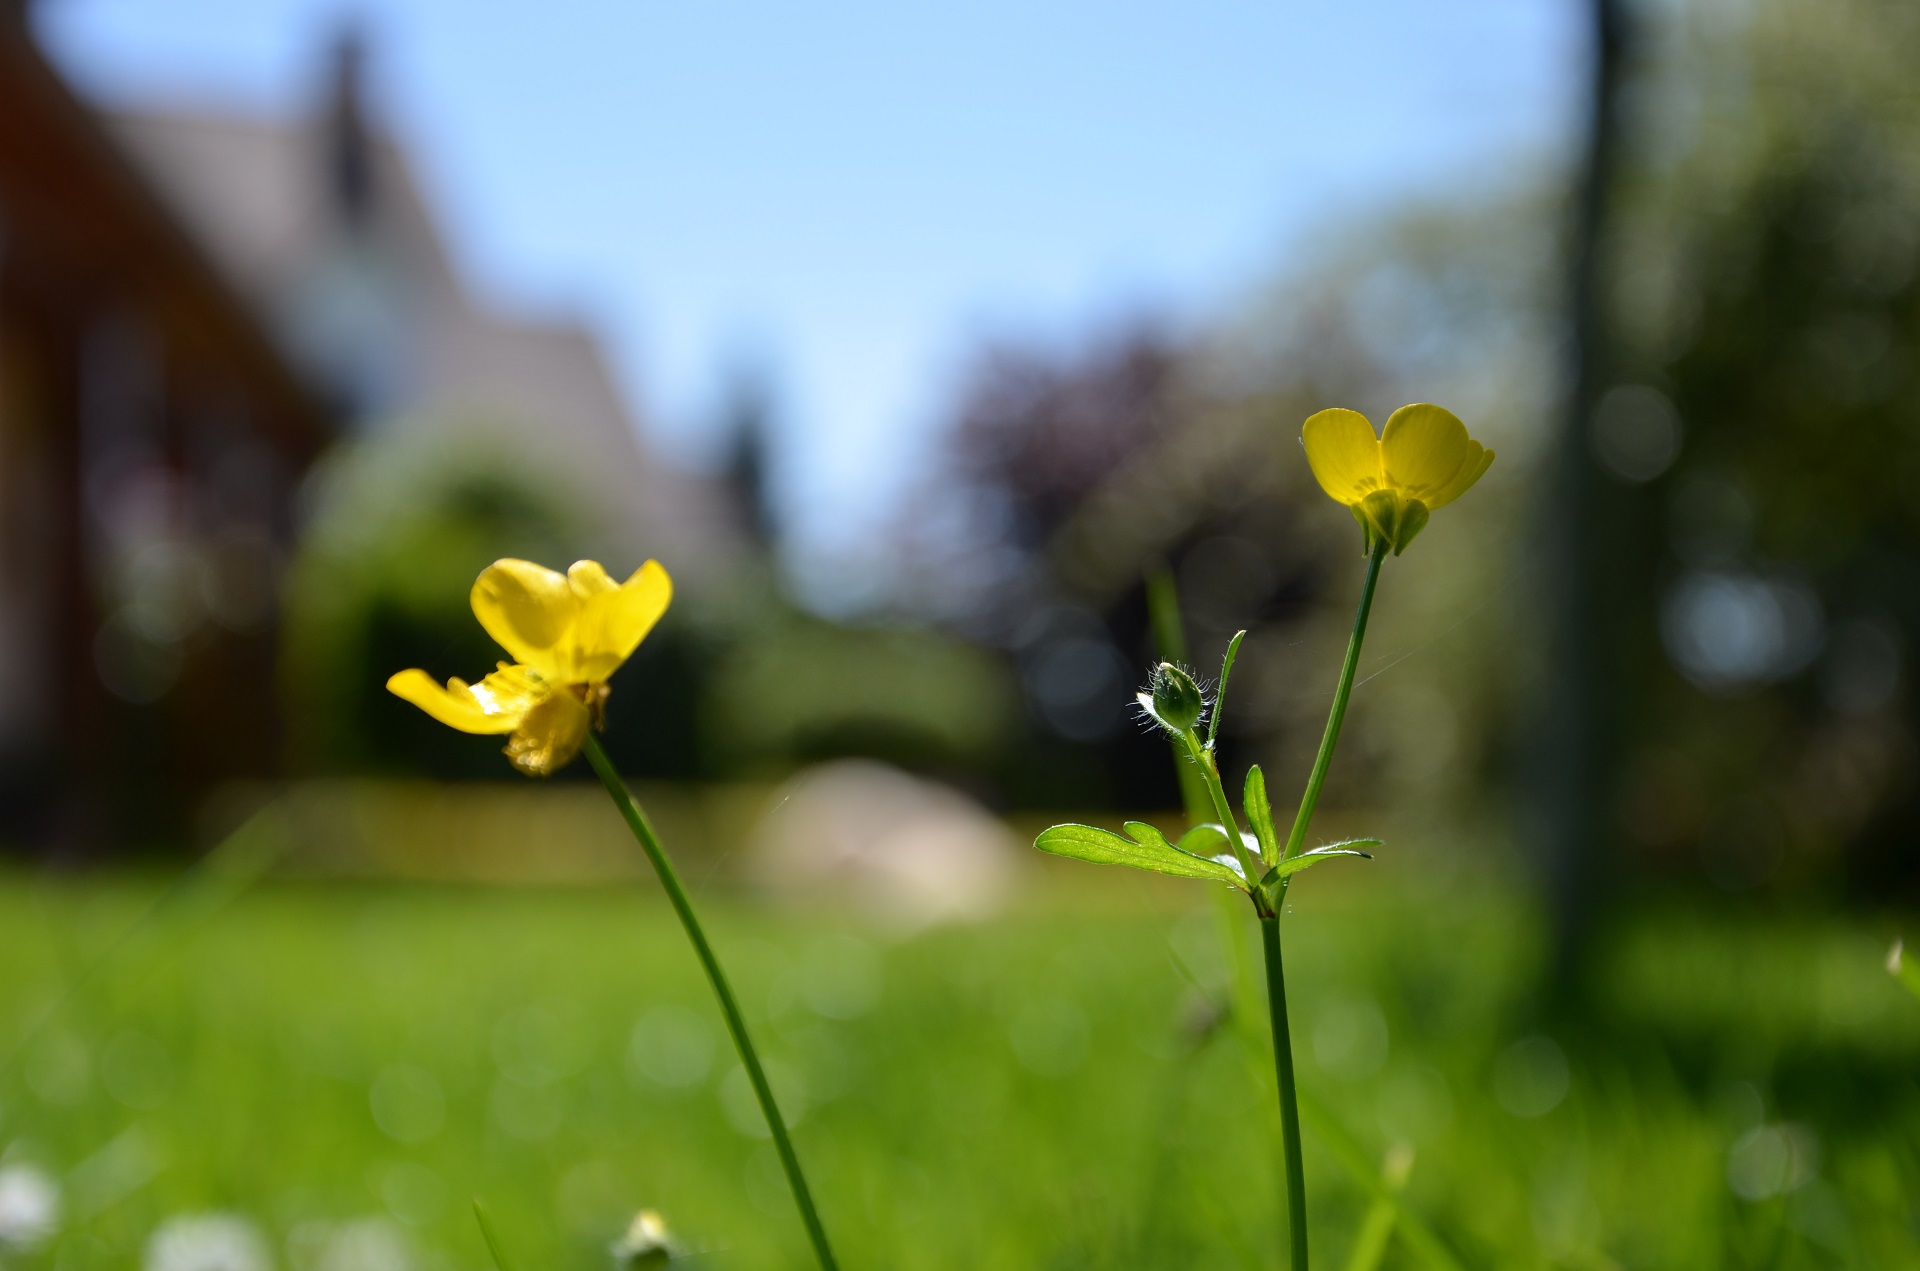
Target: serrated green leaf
pixel 1260 815
pixel 1224 857
pixel 1148 850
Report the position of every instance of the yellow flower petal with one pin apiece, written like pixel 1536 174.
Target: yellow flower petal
pixel 1343 453
pixel 589 578
pixel 1470 472
pixel 513 690
pixel 1425 449
pixel 457 704
pixel 549 736
pixel 614 619
pixel 530 611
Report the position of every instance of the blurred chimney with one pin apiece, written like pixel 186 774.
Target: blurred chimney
pixel 349 150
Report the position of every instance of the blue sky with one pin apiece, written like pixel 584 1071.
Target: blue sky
pixel 859 192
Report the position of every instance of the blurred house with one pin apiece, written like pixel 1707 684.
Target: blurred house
pixel 320 223
pixel 151 437
pixel 193 306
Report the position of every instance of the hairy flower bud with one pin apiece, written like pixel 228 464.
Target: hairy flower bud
pixel 1173 699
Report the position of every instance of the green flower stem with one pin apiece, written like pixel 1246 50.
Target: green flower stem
pixel 1321 762
pixel 1270 923
pixel 1289 1100
pixel 736 1023
pixel 1210 773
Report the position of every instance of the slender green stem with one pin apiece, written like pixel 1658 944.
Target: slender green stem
pixel 1197 754
pixel 1270 924
pixel 736 1023
pixel 1202 759
pixel 1322 761
pixel 1289 1100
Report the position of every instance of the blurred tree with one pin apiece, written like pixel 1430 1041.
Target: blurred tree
pixel 1762 432
pixel 1580 522
pixel 1034 433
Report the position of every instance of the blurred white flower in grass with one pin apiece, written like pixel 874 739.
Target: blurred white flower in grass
pixel 360 1244
pixel 29 1207
pixel 646 1244
pixel 207 1242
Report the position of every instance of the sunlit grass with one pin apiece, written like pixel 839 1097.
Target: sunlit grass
pixel 1022 1094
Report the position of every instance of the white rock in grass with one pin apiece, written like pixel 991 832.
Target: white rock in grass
pixel 207 1242
pixel 913 853
pixel 29 1207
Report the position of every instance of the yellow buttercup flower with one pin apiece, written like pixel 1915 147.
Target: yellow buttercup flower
pixel 568 633
pixel 1424 460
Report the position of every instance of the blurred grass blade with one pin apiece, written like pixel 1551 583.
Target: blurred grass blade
pixel 1148 850
pixel 196 895
pixel 1376 1225
pixel 1903 968
pixel 1420 1238
pixel 492 1237
pixel 1170 639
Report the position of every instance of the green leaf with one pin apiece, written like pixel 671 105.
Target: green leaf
pixel 1260 815
pixel 1148 849
pixel 1209 841
pixel 1294 864
pixel 1220 698
pixel 492 1237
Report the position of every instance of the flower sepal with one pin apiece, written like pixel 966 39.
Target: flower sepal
pixel 1389 516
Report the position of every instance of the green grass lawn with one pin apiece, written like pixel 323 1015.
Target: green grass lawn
pixel 342 1062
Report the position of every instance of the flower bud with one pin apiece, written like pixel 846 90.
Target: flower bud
pixel 646 1244
pixel 1173 698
